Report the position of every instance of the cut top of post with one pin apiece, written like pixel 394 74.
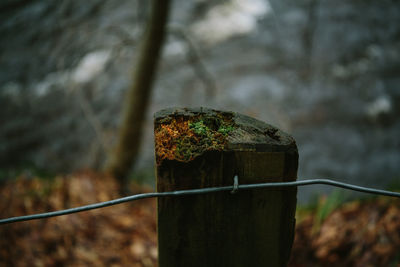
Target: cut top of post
pixel 183 134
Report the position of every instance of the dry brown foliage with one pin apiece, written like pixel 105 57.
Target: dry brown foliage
pixel 358 233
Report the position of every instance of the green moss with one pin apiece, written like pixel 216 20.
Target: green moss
pixel 225 129
pixel 184 138
pixel 184 148
pixel 199 127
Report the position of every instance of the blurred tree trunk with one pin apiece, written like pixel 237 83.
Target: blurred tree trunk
pixel 122 157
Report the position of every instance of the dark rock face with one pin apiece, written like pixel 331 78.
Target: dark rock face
pixel 324 71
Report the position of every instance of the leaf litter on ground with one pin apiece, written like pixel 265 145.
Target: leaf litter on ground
pixel 356 233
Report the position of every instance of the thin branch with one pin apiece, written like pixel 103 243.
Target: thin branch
pixel 90 116
pixel 93 120
pixel 195 60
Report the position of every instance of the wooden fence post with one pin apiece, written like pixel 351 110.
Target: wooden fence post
pixel 198 148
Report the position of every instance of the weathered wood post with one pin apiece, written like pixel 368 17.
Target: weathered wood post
pixel 198 148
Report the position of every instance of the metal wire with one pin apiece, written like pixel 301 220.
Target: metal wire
pixel 235 188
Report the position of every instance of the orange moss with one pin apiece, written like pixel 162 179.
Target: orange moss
pixel 179 140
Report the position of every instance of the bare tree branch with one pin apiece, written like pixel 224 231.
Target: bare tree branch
pixel 194 59
pixel 93 120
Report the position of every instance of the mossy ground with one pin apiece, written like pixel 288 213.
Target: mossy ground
pixel 184 138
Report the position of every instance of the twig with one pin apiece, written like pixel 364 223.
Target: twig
pixel 194 58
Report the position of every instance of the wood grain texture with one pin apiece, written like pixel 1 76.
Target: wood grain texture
pixel 249 228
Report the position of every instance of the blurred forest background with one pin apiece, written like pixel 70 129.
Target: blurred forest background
pixel 327 72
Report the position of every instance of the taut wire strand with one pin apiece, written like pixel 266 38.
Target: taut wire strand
pixel 235 188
